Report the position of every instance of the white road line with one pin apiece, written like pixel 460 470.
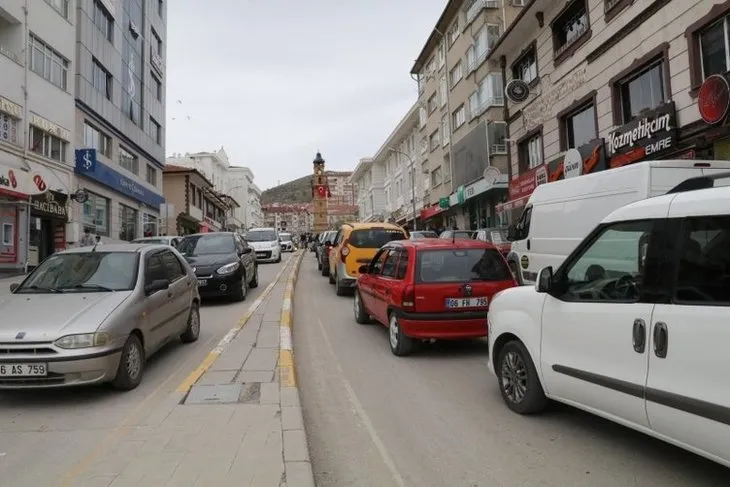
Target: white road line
pixel 387 459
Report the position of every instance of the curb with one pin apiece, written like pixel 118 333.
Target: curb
pixel 297 464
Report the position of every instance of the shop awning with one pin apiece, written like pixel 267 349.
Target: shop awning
pixel 430 212
pixel 55 179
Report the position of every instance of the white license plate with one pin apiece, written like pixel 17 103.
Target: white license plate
pixel 466 302
pixel 23 370
pixel 202 282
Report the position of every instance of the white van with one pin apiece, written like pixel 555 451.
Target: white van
pixel 560 214
pixel 266 244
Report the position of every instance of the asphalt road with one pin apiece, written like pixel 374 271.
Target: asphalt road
pixel 437 419
pixel 44 433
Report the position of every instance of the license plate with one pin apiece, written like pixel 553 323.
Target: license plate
pixel 23 370
pixel 202 282
pixel 466 302
pixel 260 254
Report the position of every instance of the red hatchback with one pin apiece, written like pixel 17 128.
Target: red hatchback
pixel 431 289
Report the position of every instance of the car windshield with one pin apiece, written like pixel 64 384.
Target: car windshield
pixel 374 238
pixel 420 235
pixel 261 236
pixel 460 265
pixel 455 234
pixel 84 272
pixel 498 236
pixel 150 241
pixel 285 237
pixel 192 246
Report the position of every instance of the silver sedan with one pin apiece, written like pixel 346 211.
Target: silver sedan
pixel 93 315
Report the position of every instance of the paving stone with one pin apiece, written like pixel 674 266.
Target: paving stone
pixel 295 446
pixel 289 396
pixel 299 474
pixel 291 418
pixel 214 394
pixel 215 377
pixel 255 376
pixel 269 393
pixel 262 359
pixel 268 336
pixel 96 481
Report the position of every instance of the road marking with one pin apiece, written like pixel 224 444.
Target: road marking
pixel 213 355
pixel 387 459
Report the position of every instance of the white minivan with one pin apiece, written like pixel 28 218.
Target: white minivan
pixel 266 244
pixel 633 326
pixel 560 214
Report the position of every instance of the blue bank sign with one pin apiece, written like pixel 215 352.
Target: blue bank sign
pixel 88 166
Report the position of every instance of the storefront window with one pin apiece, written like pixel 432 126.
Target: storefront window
pixel 149 225
pixel 127 223
pixel 8 234
pixel 96 215
pixel 8 128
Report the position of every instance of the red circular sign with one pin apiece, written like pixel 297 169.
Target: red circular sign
pixel 39 182
pixel 713 99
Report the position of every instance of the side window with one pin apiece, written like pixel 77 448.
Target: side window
pixel 377 263
pixel 523 225
pixel 154 269
pixel 402 267
pixel 338 238
pixel 703 274
pixel 390 263
pixel 610 268
pixel 173 267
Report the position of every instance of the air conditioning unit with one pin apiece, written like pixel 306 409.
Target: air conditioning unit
pixel 518 3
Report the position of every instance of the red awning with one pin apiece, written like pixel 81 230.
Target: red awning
pixel 430 212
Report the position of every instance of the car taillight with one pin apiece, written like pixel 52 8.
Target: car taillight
pixel 409 298
pixel 344 251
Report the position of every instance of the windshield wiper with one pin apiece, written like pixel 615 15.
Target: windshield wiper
pixel 42 288
pixel 93 286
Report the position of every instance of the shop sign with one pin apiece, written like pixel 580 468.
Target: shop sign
pixel 524 184
pixel 586 159
pixel 460 197
pixel 431 211
pixel 51 204
pixel 572 164
pixel 50 127
pixel 103 174
pixel 12 109
pixel 648 135
pixel 444 203
pixel 21 184
pixel 713 99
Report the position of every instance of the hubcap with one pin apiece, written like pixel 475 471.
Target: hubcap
pixel 134 361
pixel 393 332
pixel 514 377
pixel 195 322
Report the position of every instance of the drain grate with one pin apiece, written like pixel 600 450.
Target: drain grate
pixel 249 393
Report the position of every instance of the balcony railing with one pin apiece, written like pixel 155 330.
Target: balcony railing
pixel 499 148
pixel 477 7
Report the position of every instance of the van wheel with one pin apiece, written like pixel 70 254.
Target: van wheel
pixel 400 344
pixel 518 381
pixel 515 271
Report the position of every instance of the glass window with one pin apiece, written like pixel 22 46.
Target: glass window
pixel 459 117
pixel 127 223
pixel 525 68
pixel 103 20
pixel 433 140
pixel 94 138
pixel 155 131
pixel 460 265
pixel 175 270
pixel 374 238
pixel 645 91
pixel 456 74
pixel 61 6
pixel 97 271
pixel 580 127
pixel 402 267
pixel 101 79
pixel 266 236
pixel 207 245
pixel 8 128
pixel 377 263
pixel 151 175
pixel 714 48
pixel 149 225
pixel 570 26
pixel 96 214
pixel 156 86
pixel 8 234
pixel 704 266
pixel 530 153
pixel 609 269
pixel 47 63
pixel 47 145
pixel 128 161
pixel 388 269
pixel 154 270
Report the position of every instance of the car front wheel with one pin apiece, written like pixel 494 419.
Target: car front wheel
pixel 131 365
pixel 255 280
pixel 192 332
pixel 518 381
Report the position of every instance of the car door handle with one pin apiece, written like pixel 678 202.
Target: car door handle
pixel 528 244
pixel 661 339
pixel 639 335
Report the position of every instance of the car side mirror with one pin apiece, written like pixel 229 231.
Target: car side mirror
pixel 14 286
pixel 156 286
pixel 544 280
pixel 246 250
pixel 364 269
pixel 511 233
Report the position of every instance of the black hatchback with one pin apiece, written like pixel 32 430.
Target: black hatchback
pixel 223 263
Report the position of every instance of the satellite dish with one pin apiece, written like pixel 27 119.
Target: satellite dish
pixel 517 90
pixel 491 174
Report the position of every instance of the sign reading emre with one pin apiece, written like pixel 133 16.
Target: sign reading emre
pixel 650 133
pixel 107 176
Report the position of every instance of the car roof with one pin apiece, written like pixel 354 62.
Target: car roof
pixel 369 225
pixel 259 229
pixel 209 233
pixel 123 248
pixel 441 244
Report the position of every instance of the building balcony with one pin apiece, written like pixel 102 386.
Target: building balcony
pixel 477 6
pixel 196 213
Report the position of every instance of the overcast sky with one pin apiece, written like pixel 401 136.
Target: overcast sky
pixel 273 81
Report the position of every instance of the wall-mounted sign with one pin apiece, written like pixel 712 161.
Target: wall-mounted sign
pixel 651 133
pixel 51 204
pixel 572 164
pixel 21 184
pixel 517 90
pixel 11 108
pixel 50 127
pixel 713 99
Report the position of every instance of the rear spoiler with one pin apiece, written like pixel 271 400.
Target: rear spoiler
pixel 699 182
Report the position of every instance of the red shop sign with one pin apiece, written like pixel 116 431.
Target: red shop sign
pixel 713 99
pixel 524 184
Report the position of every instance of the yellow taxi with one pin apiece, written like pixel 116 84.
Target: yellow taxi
pixel 356 245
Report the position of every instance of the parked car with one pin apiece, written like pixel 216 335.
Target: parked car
pixel 452 234
pixel 225 265
pixel 164 240
pixel 287 245
pixel 420 234
pixel 324 252
pixel 265 241
pixel 106 311
pixel 496 236
pixel 355 244
pixel 633 325
pixel 431 289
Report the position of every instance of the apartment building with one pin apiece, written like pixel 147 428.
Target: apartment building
pixel 120 101
pixel 344 192
pixel 461 114
pixel 37 57
pixel 254 213
pixel 605 83
pixel 293 218
pixel 370 180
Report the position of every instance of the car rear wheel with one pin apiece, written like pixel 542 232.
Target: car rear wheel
pixel 400 344
pixel 319 266
pixel 192 332
pixel 131 365
pixel 332 278
pixel 255 280
pixel 518 381
pixel 242 290
pixel 361 316
pixel 340 289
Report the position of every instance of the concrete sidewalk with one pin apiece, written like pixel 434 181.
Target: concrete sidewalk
pixel 238 425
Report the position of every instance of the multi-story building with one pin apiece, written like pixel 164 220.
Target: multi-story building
pixel 254 213
pixel 120 101
pixel 37 57
pixel 370 180
pixel 344 192
pixel 293 218
pixel 192 205
pixel 461 114
pixel 612 83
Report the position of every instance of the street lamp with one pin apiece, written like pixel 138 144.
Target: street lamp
pixel 413 182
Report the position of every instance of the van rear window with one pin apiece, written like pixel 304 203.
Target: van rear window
pixel 374 238
pixel 460 265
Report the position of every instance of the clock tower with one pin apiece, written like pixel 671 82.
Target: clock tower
pixel 320 193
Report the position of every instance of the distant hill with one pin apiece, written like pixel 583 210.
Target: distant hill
pixel 297 191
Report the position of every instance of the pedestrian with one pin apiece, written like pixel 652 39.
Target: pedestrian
pixel 86 240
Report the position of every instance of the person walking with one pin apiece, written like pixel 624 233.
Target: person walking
pixel 87 240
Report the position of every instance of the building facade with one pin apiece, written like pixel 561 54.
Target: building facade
pixel 370 180
pixel 254 213
pixel 613 83
pixel 293 218
pixel 120 100
pixel 344 191
pixel 37 59
pixel 461 115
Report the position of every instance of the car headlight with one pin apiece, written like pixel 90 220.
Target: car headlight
pixel 83 340
pixel 228 268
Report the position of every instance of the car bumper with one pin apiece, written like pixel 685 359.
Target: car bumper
pixel 219 285
pixel 268 255
pixel 448 326
pixel 76 370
